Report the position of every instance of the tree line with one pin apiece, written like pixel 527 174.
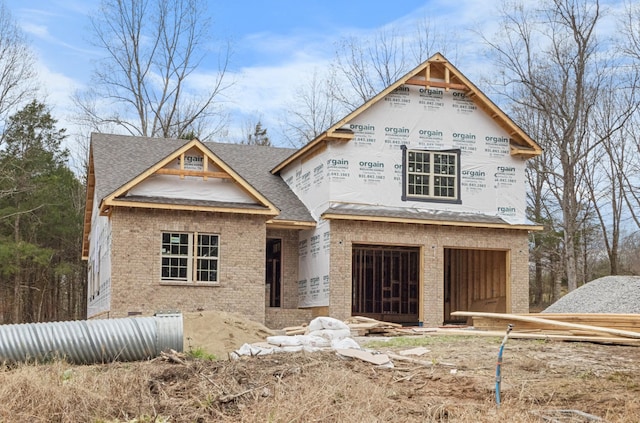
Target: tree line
pixel 573 89
pixel 42 277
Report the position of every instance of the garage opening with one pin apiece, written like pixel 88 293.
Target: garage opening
pixel 386 282
pixel 474 280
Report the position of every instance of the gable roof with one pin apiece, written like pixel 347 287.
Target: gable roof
pixel 438 72
pixel 119 162
pixel 253 163
pixel 121 195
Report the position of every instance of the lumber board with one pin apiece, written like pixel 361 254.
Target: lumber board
pixel 626 322
pixel 606 316
pixel 541 335
pixel 498 324
pixel 620 321
pixel 521 318
pixel 364 319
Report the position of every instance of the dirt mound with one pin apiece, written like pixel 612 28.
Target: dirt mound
pixel 610 294
pixel 219 332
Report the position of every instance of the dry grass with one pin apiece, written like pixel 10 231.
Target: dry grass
pixel 538 379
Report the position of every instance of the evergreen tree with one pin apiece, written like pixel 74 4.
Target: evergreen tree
pixel 259 136
pixel 40 220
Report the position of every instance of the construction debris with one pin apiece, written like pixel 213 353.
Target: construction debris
pixel 357 325
pixel 324 333
pixel 415 351
pixel 377 359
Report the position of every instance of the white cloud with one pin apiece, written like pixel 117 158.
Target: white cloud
pixel 57 92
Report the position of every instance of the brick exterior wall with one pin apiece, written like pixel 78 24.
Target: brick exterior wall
pixel 433 240
pixel 136 263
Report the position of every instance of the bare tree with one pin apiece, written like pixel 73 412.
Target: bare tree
pixel 313 110
pixel 545 245
pixel 550 52
pixel 611 160
pixel 630 30
pixel 369 65
pixel 17 76
pixel 366 65
pixel 145 85
pixel 631 181
pixel 363 66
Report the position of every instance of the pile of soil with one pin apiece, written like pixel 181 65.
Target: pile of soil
pixel 219 332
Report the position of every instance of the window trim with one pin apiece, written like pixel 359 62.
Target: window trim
pixel 430 199
pixel 192 258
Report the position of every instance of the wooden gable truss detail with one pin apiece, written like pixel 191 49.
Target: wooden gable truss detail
pixel 435 72
pixel 118 197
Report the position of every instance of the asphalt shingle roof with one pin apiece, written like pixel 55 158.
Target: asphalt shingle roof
pixel 118 159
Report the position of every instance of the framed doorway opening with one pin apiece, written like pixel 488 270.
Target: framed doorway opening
pixel 273 272
pixel 386 283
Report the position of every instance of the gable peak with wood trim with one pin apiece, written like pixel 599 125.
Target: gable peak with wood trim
pixel 192 172
pixel 435 73
pixel 166 174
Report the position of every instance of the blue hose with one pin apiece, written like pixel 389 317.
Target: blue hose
pixel 499 364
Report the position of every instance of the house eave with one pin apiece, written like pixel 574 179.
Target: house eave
pixel 421 221
pixel 334 134
pixel 290 224
pixel 109 204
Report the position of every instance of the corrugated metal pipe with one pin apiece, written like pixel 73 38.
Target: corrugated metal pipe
pixel 92 341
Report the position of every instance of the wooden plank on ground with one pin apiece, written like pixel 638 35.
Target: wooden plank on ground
pixel 520 318
pixel 487 323
pixel 370 320
pixel 611 320
pixel 377 359
pixel 541 335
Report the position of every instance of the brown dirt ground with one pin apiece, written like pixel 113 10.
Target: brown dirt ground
pixel 455 383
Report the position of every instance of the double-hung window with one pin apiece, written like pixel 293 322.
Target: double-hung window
pixel 190 257
pixel 431 175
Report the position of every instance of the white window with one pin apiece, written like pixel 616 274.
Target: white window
pixel 431 175
pixel 190 257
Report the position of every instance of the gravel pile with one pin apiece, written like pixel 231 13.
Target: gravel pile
pixel 610 294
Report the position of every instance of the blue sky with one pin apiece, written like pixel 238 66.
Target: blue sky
pixel 276 44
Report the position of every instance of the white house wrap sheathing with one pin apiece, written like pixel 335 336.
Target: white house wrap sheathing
pixel 313 270
pixel 99 283
pixel 190 187
pixel 368 170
